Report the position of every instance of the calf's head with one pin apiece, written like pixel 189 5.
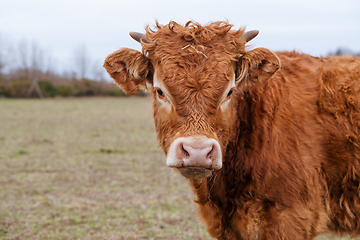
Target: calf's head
pixel 193 74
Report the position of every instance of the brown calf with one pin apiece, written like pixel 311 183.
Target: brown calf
pixel 269 141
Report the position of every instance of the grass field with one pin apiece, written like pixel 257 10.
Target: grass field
pixel 88 168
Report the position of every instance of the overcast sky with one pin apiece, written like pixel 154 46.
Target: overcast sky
pixel 310 26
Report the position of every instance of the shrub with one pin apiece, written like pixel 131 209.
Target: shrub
pixel 47 88
pixel 85 87
pixel 64 90
pixel 18 88
pixel 3 92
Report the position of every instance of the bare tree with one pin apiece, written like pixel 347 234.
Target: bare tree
pixel 30 59
pixel 36 58
pixel 97 71
pixel 2 55
pixel 343 51
pixel 23 55
pixel 81 61
pixel 6 55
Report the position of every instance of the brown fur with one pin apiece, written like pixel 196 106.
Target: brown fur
pixel 290 138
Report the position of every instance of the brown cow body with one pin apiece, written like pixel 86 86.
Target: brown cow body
pixel 292 165
pixel 288 138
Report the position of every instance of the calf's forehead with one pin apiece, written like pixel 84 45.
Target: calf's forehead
pixel 202 81
pixel 210 74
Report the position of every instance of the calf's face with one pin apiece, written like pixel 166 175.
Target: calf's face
pixel 192 112
pixel 193 87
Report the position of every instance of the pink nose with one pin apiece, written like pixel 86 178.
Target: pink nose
pixel 195 152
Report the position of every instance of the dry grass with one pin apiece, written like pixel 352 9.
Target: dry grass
pixel 88 169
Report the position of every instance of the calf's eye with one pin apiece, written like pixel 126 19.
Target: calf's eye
pixel 161 94
pixel 229 93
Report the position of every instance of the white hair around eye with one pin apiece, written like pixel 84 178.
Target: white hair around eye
pixel 162 94
pixel 226 96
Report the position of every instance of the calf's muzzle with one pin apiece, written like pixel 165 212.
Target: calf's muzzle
pixel 194 157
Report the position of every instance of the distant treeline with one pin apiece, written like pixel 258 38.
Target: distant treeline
pixel 344 52
pixel 21 88
pixel 25 65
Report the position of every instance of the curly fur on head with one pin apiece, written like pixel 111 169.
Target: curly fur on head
pixel 193 32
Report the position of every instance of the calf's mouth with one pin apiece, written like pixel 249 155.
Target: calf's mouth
pixel 195 172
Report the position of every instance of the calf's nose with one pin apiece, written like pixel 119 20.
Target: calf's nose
pixel 195 152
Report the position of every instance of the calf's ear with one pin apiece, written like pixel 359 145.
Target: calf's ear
pixel 255 67
pixel 129 68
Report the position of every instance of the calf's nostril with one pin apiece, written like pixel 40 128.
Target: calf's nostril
pixel 182 152
pixel 210 154
pixel 185 152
